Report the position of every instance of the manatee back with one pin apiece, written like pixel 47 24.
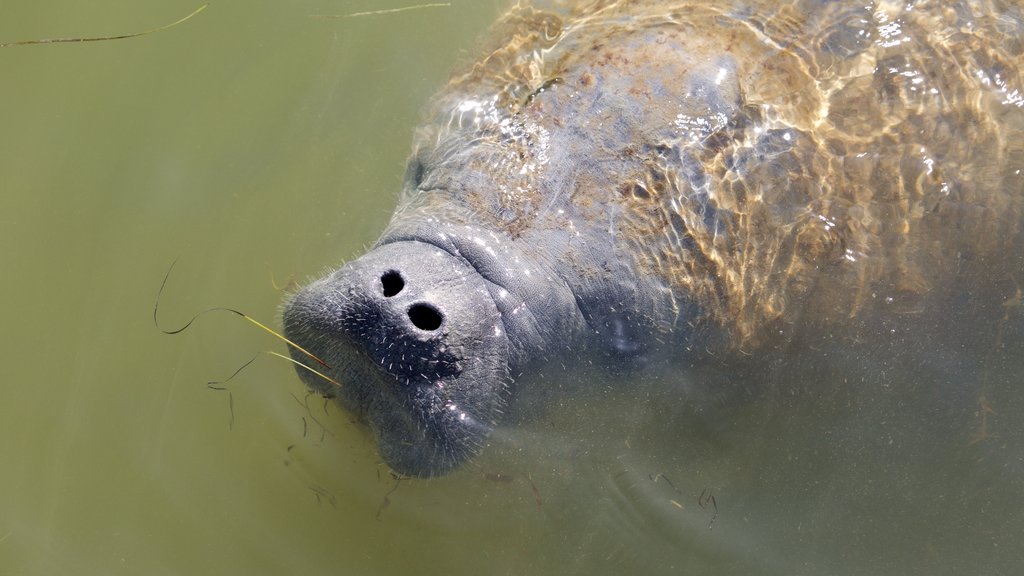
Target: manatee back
pixel 751 161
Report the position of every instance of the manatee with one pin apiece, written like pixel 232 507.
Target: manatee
pixel 681 182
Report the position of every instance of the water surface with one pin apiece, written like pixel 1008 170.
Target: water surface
pixel 256 144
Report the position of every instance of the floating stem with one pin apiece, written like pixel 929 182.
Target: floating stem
pixel 386 11
pixel 102 38
pixel 156 308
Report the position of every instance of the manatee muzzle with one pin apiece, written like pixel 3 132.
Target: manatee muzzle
pixel 414 337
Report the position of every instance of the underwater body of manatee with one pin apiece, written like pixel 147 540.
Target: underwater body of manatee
pixel 701 186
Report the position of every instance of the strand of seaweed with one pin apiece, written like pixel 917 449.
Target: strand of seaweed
pixel 78 39
pixel 220 385
pixel 385 11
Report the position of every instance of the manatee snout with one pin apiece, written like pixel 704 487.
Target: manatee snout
pixel 414 338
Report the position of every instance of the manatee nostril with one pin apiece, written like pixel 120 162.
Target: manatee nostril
pixel 425 317
pixel 392 283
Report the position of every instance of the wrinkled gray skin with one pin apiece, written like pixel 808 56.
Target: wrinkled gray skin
pixel 577 197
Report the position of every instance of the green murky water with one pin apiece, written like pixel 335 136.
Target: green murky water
pixel 257 141
pixel 254 139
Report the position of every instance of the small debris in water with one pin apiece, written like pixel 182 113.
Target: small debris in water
pixel 231 402
pixel 1015 301
pixel 321 493
pixel 507 478
pixel 101 38
pixel 290 286
pixel 660 476
pixel 387 500
pixel 386 11
pixel 703 501
pixel 985 410
pixel 323 428
pixel 536 493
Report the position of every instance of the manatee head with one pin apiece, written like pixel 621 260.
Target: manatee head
pixel 414 337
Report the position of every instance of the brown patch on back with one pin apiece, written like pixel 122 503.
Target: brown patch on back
pixel 852 168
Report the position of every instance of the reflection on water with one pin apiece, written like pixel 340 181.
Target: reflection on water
pixel 257 135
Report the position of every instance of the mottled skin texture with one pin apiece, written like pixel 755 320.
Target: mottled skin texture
pixel 689 180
